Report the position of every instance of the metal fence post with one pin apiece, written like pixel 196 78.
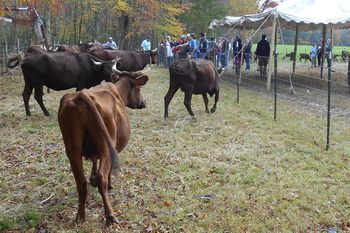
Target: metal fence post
pixel 329 61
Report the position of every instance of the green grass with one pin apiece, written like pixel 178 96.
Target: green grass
pixel 283 49
pixel 237 170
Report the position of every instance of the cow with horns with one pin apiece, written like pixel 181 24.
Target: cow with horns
pixel 197 76
pixel 95 125
pixel 59 71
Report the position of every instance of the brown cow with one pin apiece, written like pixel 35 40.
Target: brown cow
pixel 290 55
pixel 197 76
pixel 304 56
pixel 94 124
pixel 129 60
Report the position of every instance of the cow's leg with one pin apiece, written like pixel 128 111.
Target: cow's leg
pixel 93 176
pixel 168 97
pixel 73 135
pixel 26 96
pixel 206 101
pixel 39 98
pixel 187 101
pixel 213 109
pixel 102 174
pixel 77 168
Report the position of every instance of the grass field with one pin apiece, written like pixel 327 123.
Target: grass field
pixel 237 170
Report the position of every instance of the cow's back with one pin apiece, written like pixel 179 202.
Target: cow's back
pixel 198 73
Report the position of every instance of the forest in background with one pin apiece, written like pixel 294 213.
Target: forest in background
pixel 130 21
pixel 127 21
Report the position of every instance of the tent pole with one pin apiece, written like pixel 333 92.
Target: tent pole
pixel 295 48
pixel 270 68
pixel 324 28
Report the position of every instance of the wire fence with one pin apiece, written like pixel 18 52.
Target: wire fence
pixel 9 49
pixel 324 96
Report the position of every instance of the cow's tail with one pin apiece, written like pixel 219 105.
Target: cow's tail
pixel 14 61
pixel 95 119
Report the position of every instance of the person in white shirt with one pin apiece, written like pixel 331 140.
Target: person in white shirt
pixel 146 44
pixel 110 44
pixel 169 51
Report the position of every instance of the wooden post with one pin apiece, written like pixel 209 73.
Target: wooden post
pixel 3 57
pixel 6 55
pixel 17 46
pixel 295 47
pixel 274 23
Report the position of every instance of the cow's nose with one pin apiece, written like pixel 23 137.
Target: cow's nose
pixel 141 105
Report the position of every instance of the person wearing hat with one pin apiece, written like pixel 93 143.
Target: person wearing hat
pixel 146 44
pixel 110 44
pixel 263 54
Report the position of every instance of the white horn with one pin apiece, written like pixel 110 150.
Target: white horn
pixel 98 63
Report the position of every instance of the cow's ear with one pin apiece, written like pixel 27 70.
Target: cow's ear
pixel 142 80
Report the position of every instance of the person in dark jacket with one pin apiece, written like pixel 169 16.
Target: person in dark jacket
pixel 247 54
pixel 237 50
pixel 203 46
pixel 263 54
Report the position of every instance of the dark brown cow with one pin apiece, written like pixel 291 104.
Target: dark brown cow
pixel 60 71
pixel 80 48
pixel 344 55
pixel 304 56
pixel 129 60
pixel 95 125
pixel 290 55
pixel 197 76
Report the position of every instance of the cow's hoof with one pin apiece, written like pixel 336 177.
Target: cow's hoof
pixel 93 181
pixel 79 219
pixel 213 110
pixel 110 219
pixel 207 111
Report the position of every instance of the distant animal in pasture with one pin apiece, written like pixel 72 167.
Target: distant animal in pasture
pixel 344 55
pixel 291 56
pixel 336 57
pixel 95 125
pixel 304 56
pixel 198 76
pixel 129 60
pixel 59 71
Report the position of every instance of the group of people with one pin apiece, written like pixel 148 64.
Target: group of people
pixel 216 51
pixel 111 44
pixel 317 52
pixel 262 53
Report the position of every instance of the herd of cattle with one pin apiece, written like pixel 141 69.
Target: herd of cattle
pixel 93 121
pixel 306 57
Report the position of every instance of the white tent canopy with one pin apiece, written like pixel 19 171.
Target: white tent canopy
pixel 309 14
